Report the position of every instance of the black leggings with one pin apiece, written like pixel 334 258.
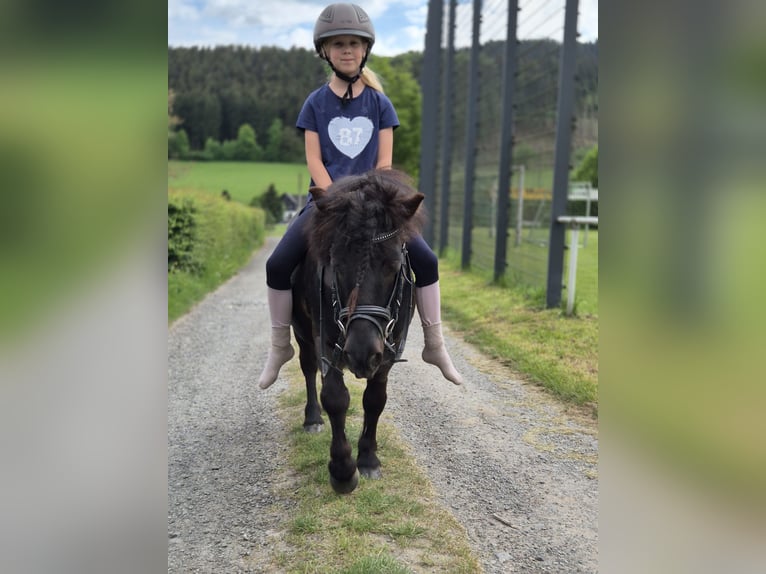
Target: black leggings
pixel 292 249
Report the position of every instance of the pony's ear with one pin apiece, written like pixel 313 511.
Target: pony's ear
pixel 411 204
pixel 317 192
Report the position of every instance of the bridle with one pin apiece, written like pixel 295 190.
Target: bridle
pixel 384 318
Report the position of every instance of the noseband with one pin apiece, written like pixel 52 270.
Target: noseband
pixel 384 318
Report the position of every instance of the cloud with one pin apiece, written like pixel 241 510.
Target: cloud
pixel 301 37
pixel 271 14
pixel 399 24
pixel 588 20
pixel 218 37
pixel 183 10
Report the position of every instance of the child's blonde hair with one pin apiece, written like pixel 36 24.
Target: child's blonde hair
pixel 371 79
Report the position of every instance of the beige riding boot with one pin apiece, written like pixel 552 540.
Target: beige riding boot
pixel 281 351
pixel 428 300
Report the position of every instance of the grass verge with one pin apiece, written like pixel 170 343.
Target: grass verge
pixel 393 525
pixel 512 326
pixel 227 234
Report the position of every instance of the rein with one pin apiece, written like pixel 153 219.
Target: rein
pixel 384 318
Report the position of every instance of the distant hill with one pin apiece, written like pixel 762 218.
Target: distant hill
pixel 218 89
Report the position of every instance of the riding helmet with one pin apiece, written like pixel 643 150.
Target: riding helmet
pixel 341 19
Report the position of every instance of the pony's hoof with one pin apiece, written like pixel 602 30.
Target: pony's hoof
pixel 371 473
pixel 314 428
pixel 347 486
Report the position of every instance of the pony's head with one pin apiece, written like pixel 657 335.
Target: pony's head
pixel 358 229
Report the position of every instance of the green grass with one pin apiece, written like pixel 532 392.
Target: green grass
pixel 512 325
pixel 228 234
pixel 528 263
pixel 381 564
pixel 243 180
pixel 534 177
pixel 586 287
pixel 390 525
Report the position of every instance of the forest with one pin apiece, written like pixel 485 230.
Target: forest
pixel 214 92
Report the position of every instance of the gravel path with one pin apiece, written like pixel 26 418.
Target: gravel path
pixel 518 472
pixel 513 467
pixel 226 449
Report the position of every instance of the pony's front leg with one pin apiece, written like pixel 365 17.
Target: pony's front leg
pixel 312 421
pixel 374 401
pixel 335 400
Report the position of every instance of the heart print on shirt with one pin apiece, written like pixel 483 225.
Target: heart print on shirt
pixel 350 136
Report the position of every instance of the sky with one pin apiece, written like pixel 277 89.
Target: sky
pixel 399 24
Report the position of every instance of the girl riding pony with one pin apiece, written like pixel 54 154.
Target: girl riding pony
pixel 348 127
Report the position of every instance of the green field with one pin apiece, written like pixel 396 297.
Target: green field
pixel 243 180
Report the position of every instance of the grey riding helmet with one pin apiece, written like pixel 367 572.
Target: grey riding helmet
pixel 340 19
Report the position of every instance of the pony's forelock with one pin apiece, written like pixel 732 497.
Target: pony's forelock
pixel 356 208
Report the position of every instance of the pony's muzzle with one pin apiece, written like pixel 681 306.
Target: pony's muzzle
pixel 363 350
pixel 362 365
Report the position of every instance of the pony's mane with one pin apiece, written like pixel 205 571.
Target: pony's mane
pixel 357 208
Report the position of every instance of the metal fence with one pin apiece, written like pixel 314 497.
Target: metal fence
pixel 509 108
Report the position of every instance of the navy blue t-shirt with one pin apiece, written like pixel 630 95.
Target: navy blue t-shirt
pixel 348 133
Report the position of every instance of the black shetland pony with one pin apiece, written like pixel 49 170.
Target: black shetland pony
pixel 352 305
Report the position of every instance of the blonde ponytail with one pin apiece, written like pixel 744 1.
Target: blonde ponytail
pixel 371 79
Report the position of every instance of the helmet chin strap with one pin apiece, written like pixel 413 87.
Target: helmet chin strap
pixel 350 79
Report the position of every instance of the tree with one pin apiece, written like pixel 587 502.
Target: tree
pixel 588 168
pixel 293 150
pixel 229 150
pixel 247 149
pixel 178 145
pixel 271 203
pixel 173 122
pixel 284 143
pixel 219 89
pixel 404 92
pixel 201 112
pixel 213 149
pixel 273 150
pixel 587 171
